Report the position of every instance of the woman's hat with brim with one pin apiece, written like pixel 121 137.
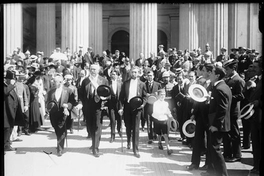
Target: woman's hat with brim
pixel 188 128
pixel 103 91
pixel 136 102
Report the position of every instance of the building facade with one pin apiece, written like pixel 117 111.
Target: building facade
pixel 130 27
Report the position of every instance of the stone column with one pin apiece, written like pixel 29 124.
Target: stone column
pixel 174 31
pixel 13 27
pixel 46 17
pixel 188 29
pixel 143 29
pixel 75 26
pixel 96 27
pixel 106 43
pixel 204 23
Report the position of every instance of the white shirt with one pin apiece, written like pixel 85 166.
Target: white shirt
pixel 132 89
pixel 94 82
pixel 161 110
pixel 114 86
pixel 58 93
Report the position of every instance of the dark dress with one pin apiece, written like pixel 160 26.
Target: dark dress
pixel 34 112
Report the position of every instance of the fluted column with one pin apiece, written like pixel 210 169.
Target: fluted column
pixel 143 29
pixel 188 29
pixel 106 43
pixel 13 29
pixel 46 17
pixel 96 27
pixel 75 25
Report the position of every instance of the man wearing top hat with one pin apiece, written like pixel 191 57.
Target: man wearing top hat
pixel 64 99
pixel 130 89
pixel 223 56
pixel 232 141
pixel 93 109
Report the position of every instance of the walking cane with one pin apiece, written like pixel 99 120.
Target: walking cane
pixel 121 133
pixel 66 134
pixel 79 119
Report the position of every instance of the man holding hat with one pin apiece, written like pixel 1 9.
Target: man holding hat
pixel 130 89
pixel 94 112
pixel 223 56
pixel 232 140
pixel 64 100
pixel 12 109
pixel 219 119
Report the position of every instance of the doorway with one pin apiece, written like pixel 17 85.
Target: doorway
pixel 120 41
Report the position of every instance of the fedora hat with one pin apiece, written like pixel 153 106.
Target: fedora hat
pixel 188 128
pixel 247 111
pixel 197 92
pixel 135 102
pixel 103 91
pixel 151 99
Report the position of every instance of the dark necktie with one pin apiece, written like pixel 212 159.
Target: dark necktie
pixel 150 86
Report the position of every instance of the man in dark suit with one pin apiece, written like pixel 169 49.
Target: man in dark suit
pixel 94 112
pixel 12 108
pixel 243 61
pixel 256 120
pixel 64 99
pixel 232 140
pixel 219 119
pixel 88 56
pixel 115 104
pixel 152 89
pixel 132 88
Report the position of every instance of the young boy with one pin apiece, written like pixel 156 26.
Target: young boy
pixel 161 114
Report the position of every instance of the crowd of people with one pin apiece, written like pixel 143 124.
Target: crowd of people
pixel 34 85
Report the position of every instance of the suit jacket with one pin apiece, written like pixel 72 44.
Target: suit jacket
pixel 88 57
pixel 57 118
pixel 220 105
pixel 114 101
pixel 22 95
pixel 105 72
pixel 155 87
pixel 82 90
pixel 236 84
pixel 12 108
pixel 141 91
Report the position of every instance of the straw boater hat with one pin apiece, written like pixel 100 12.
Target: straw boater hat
pixel 188 128
pixel 197 92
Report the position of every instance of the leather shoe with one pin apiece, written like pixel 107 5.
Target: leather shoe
pixel 192 167
pixel 9 149
pixel 246 147
pixel 231 160
pixel 96 154
pixel 205 167
pixel 160 146
pixel 91 147
pixel 137 154
pixel 128 145
pixel 27 133
pixel 143 129
pixel 150 142
pixel 59 153
pixel 89 136
pixel 169 152
pixel 120 134
pixel 254 171
pixel 17 140
pixel 112 140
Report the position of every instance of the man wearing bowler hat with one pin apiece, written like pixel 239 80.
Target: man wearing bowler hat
pixel 232 141
pixel 130 89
